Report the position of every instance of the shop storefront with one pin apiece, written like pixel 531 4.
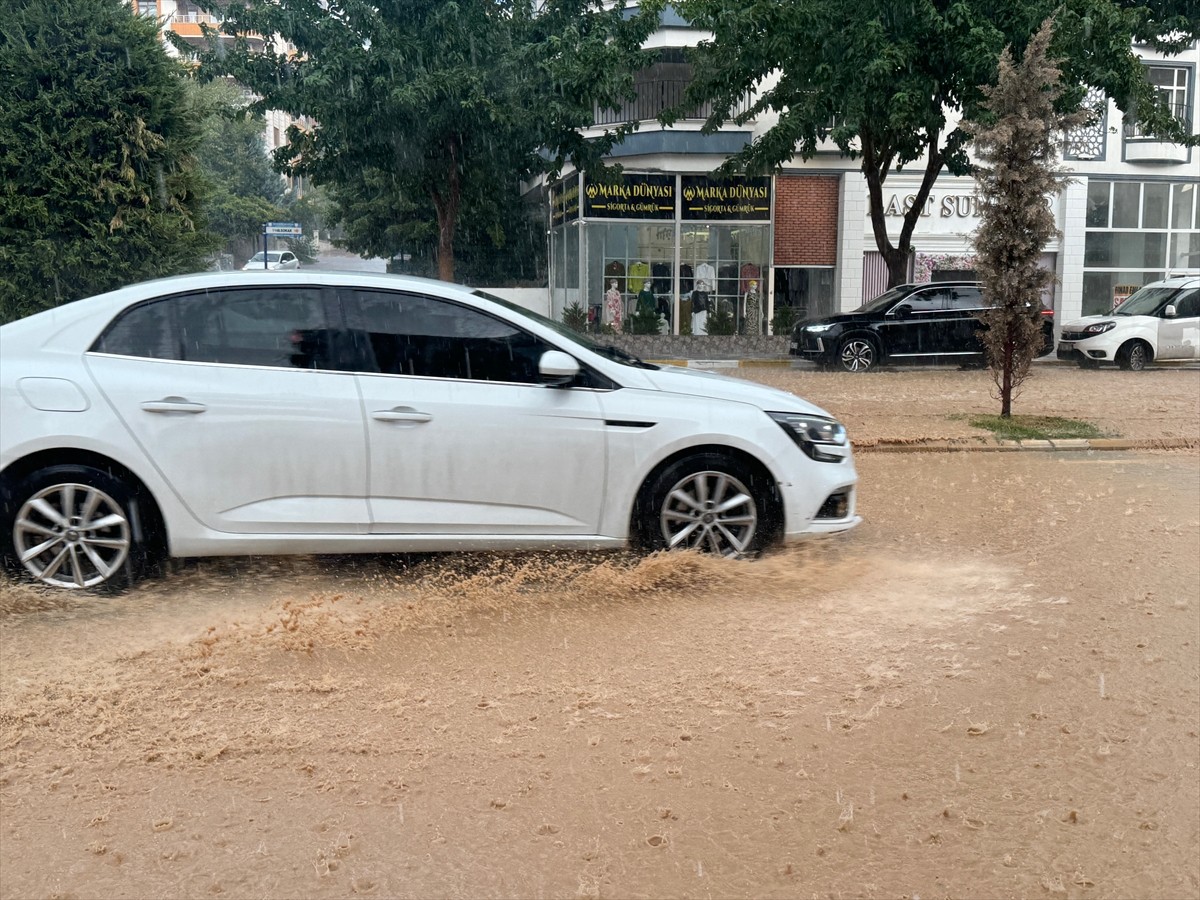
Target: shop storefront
pixel 658 253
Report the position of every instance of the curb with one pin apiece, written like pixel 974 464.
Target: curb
pixel 993 445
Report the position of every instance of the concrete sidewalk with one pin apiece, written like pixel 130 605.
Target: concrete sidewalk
pixel 895 445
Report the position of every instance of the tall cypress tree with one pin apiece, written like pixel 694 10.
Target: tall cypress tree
pixel 1017 148
pixel 98 186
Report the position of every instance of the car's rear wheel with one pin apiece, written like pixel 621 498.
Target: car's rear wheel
pixel 709 502
pixel 73 526
pixel 857 354
pixel 1134 356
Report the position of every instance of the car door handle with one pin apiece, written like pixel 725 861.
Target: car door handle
pixel 401 414
pixel 173 405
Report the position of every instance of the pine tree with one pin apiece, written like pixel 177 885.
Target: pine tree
pixel 1016 145
pixel 98 185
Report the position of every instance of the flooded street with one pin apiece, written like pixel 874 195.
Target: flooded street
pixel 991 689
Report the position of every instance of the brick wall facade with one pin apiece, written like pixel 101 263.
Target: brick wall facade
pixel 806 220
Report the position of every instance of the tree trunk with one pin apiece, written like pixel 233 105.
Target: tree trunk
pixel 1006 375
pixel 446 203
pixel 875 167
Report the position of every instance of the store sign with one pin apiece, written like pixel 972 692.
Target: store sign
pixel 726 199
pixel 633 196
pixel 948 212
pixel 564 201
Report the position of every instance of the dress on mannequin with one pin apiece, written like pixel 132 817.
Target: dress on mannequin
pixel 613 306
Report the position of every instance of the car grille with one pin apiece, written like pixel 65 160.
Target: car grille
pixel 1075 335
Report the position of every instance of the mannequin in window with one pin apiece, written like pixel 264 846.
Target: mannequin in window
pixel 706 282
pixel 645 300
pixel 752 309
pixel 613 307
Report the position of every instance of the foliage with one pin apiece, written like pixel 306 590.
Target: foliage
pixel 1035 428
pixel 575 317
pixel 436 103
pixel 643 321
pixel 783 320
pixel 1016 147
pixel 883 80
pixel 497 241
pixel 720 318
pixel 244 190
pixel 98 181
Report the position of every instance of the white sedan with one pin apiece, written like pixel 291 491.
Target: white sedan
pixel 275 260
pixel 297 412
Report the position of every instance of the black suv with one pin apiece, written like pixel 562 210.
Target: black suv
pixel 911 323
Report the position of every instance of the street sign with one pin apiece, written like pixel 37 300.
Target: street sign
pixel 283 229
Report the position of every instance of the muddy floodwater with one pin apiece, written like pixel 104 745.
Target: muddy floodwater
pixel 991 689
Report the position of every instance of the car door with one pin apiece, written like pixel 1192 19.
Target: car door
pixel 231 396
pixel 1179 336
pixel 964 303
pixel 462 437
pixel 916 326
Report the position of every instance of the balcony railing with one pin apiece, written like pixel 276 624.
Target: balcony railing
pixel 195 18
pixel 1180 110
pixel 654 97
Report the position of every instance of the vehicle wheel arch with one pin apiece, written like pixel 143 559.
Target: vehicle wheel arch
pixel 774 518
pixel 1126 350
pixel 149 522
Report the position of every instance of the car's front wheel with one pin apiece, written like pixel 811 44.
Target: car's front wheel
pixel 857 354
pixel 72 526
pixel 1134 356
pixel 709 502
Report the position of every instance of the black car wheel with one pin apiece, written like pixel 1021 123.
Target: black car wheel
pixel 72 526
pixel 708 502
pixel 1134 356
pixel 857 354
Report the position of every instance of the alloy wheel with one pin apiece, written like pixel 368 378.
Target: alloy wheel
pixel 71 536
pixel 710 511
pixel 857 355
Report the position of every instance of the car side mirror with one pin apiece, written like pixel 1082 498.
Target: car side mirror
pixel 1170 312
pixel 557 369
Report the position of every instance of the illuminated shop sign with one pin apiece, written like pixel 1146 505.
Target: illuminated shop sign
pixel 564 201
pixel 724 199
pixel 631 197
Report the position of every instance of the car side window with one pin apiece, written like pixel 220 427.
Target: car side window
pixel 1187 304
pixel 261 326
pixel 965 298
pixel 411 334
pixel 147 331
pixel 926 301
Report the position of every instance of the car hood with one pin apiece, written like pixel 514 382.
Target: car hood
pixel 1080 324
pixel 837 319
pixel 699 383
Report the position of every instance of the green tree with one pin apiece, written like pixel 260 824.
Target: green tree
pixel 885 80
pixel 243 190
pixel 444 100
pixel 98 181
pixel 1016 144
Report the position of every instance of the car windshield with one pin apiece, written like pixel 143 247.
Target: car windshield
pixel 608 351
pixel 1145 302
pixel 272 257
pixel 886 299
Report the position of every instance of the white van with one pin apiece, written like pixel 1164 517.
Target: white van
pixel 1158 323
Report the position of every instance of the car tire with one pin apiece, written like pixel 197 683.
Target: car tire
pixel 1134 356
pixel 858 354
pixel 74 526
pixel 684 504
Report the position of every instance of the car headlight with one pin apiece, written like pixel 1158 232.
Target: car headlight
pixel 817 329
pixel 812 433
pixel 1100 327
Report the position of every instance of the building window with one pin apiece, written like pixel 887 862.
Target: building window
pixel 660 87
pixel 1172 84
pixel 1137 232
pixel 148 8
